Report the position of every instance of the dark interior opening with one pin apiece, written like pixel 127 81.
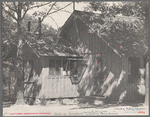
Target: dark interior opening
pixel 133 69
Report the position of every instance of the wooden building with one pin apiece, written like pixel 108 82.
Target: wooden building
pixel 82 64
pixel 113 64
pixel 44 64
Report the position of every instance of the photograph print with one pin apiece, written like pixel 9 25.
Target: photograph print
pixel 75 58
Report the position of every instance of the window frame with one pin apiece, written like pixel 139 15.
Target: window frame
pixel 61 62
pixel 68 69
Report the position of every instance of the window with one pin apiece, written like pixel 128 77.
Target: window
pixel 55 67
pixel 133 69
pixel 73 68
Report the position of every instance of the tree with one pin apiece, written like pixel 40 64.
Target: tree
pixel 124 28
pixel 137 9
pixel 8 28
pixel 17 11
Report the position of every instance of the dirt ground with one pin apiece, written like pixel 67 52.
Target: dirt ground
pixel 67 107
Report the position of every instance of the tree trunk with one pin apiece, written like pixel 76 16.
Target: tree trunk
pixel 19 59
pixel 146 103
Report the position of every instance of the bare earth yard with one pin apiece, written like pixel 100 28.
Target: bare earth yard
pixel 58 109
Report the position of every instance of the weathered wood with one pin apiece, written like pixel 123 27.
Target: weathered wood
pixel 56 87
pixel 61 86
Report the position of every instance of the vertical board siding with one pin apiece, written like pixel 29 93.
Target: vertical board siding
pixel 109 60
pixel 59 87
pixel 132 93
pixel 113 70
pixel 96 44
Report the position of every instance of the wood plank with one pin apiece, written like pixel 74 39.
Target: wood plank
pixel 106 57
pixel 51 88
pixel 109 60
pixel 64 87
pixel 43 87
pixel 54 87
pixel 94 43
pixel 63 94
pixel 58 87
pixel 67 87
pixel 131 89
pixel 46 92
pixel 48 89
pixel 124 68
pixel 61 87
pixel 130 96
pixel 72 90
pixel 71 86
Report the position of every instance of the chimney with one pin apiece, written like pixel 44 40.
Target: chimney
pixel 73 6
pixel 29 23
pixel 39 27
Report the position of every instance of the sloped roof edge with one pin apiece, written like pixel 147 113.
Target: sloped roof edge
pixel 26 42
pixel 75 14
pixel 38 55
pixel 66 23
pixel 118 51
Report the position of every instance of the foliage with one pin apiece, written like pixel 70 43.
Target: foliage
pixel 45 29
pixel 137 8
pixel 17 12
pixel 8 27
pixel 122 20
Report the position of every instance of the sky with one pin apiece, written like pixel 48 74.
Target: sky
pixel 60 17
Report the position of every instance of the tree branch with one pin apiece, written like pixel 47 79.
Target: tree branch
pixel 15 6
pixel 11 8
pixel 45 16
pixel 48 12
pixel 24 14
pixel 66 11
pixel 39 5
pixel 52 13
pixel 54 21
pixel 10 14
pixel 60 9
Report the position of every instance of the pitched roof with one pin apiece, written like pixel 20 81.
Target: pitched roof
pixel 125 45
pixel 45 46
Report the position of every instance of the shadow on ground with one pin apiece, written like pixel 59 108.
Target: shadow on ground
pixel 101 104
pixel 8 103
pixel 83 103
